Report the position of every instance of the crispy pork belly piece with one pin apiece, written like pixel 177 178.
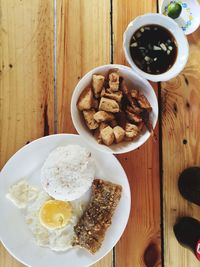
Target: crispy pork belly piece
pixel 97 83
pixel 146 119
pixel 85 99
pixel 144 103
pixel 134 93
pixel 97 132
pixel 103 116
pixel 95 103
pixel 113 123
pixel 107 136
pixel 89 119
pixel 117 96
pixel 114 81
pixel 119 133
pixel 134 109
pixel 92 226
pixel 133 117
pixel 121 119
pixel 102 126
pixel 131 130
pixel 109 105
pixel 131 100
pixel 140 126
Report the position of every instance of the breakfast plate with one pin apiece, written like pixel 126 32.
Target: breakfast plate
pixel 27 163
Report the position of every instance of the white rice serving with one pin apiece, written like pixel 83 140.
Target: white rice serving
pixel 68 172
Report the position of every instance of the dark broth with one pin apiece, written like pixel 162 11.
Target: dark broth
pixel 153 49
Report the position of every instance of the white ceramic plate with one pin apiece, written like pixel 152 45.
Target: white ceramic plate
pixel 14 233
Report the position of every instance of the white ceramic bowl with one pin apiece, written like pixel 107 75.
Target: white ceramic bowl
pixel 169 24
pixel 132 80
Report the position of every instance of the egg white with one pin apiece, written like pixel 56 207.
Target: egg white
pixel 55 239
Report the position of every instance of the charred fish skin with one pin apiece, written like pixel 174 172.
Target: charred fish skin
pixel 91 228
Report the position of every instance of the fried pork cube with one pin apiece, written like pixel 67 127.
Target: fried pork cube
pixel 114 81
pixel 134 93
pixel 107 136
pixel 85 99
pixel 113 123
pixel 97 83
pixel 131 131
pixel 144 103
pixel 97 135
pixel 133 117
pixel 117 96
pixel 95 103
pixel 119 133
pixel 109 105
pixel 103 116
pixel 89 119
pixel 102 126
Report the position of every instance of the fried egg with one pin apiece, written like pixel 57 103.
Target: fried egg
pixel 55 214
pixel 50 221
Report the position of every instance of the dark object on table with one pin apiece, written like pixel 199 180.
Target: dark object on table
pixel 189 184
pixel 187 232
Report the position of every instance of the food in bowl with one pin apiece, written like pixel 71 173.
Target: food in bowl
pixel 60 225
pixel 153 49
pixel 112 111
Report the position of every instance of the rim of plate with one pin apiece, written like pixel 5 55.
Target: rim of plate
pixel 75 136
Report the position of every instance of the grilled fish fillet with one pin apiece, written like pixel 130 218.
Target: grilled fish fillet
pixel 91 228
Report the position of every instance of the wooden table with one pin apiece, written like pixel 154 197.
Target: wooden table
pixel 46 46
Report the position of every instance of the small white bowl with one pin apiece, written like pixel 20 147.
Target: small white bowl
pixel 132 80
pixel 170 25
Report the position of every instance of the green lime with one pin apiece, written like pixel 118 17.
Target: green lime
pixel 174 10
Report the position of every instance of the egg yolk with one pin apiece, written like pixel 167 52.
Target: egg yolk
pixel 55 214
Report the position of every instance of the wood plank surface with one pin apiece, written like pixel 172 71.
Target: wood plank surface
pixel 140 245
pixel 181 149
pixel 83 42
pixel 26 79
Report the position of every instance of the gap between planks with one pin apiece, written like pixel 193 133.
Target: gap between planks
pixel 55 67
pixel 55 79
pixel 161 164
pixel 160 117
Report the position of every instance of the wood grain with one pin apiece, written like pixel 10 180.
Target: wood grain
pixel 140 245
pixel 181 149
pixel 82 44
pixel 26 79
pixel 83 41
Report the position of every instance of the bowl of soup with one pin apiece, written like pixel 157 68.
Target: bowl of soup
pixel 155 47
